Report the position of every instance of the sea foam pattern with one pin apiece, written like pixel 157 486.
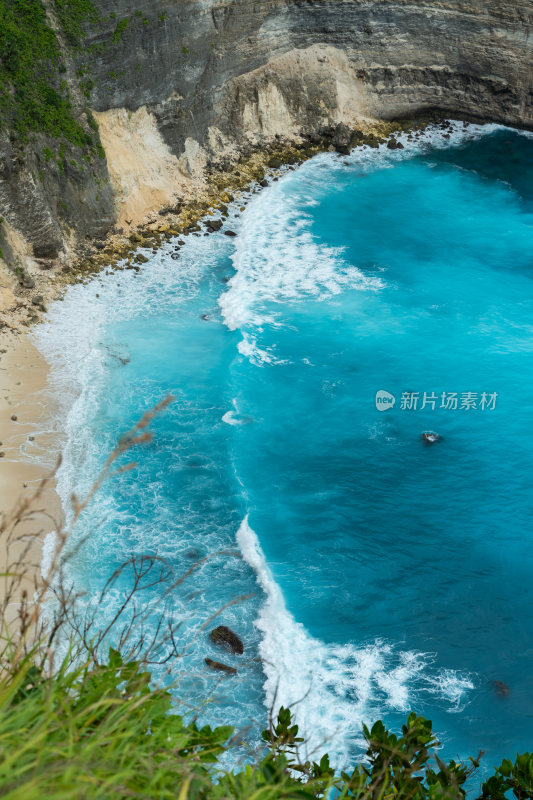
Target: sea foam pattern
pixel 277 262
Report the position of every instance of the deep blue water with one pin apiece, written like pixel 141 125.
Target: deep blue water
pixel 387 574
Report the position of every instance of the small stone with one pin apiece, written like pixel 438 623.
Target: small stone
pixel 37 300
pixel 264 183
pixel 14 417
pixel 2 454
pixel 230 233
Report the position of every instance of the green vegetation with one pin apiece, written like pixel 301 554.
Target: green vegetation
pixel 119 30
pixel 100 731
pixel 31 96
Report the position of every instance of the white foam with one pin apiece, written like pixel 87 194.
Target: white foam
pixel 278 259
pixel 73 341
pixel 331 688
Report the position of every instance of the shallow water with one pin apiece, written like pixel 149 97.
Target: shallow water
pixel 387 574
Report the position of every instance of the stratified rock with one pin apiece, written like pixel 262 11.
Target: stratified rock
pixel 219 666
pixel 225 637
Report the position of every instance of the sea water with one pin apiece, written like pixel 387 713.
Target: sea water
pixel 368 572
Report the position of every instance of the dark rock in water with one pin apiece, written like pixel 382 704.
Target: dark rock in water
pixel 225 279
pixel 214 224
pixel 174 256
pixel 502 690
pixel 274 162
pixel 219 666
pixel 181 242
pixel 206 316
pixel 227 638
pixel 263 183
pixel 140 259
pixel 230 233
pixel 430 437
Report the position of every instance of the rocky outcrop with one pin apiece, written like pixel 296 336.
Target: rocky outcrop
pixel 227 638
pixel 182 86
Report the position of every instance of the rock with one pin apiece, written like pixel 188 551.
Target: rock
pixel 38 300
pixel 214 224
pixel 206 317
pixel 221 667
pixel 181 242
pixel 501 688
pixel 174 256
pixel 274 162
pixel 140 259
pixel 223 209
pixel 14 417
pixel 27 281
pixel 2 454
pixel 230 233
pixel 225 637
pixel 264 183
pixel 430 437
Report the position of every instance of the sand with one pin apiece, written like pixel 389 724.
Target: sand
pixel 30 449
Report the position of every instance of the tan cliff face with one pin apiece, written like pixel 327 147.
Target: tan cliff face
pixel 179 85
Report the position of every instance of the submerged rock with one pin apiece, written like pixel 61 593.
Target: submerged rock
pixel 502 690
pixel 225 637
pixel 220 666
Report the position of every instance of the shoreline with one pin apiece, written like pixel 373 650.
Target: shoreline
pixel 30 449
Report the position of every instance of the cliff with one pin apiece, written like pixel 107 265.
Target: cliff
pixel 181 86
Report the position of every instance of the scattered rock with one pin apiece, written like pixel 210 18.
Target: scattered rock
pixel 14 417
pixel 219 666
pixel 174 256
pixel 264 183
pixel 140 259
pixel 225 637
pixel 394 144
pixel 214 225
pixel 274 162
pixel 2 454
pixel 230 233
pixel 38 300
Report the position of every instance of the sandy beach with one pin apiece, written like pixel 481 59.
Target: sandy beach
pixel 29 449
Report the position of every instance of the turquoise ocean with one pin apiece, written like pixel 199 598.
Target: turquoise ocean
pixel 381 573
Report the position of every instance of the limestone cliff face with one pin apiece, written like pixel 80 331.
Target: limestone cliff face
pixel 178 84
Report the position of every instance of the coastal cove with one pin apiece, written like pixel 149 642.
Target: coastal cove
pixel 398 270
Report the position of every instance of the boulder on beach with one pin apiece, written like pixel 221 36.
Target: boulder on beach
pixel 227 638
pixel 220 666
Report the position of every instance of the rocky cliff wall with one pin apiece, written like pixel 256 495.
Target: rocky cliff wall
pixel 180 84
